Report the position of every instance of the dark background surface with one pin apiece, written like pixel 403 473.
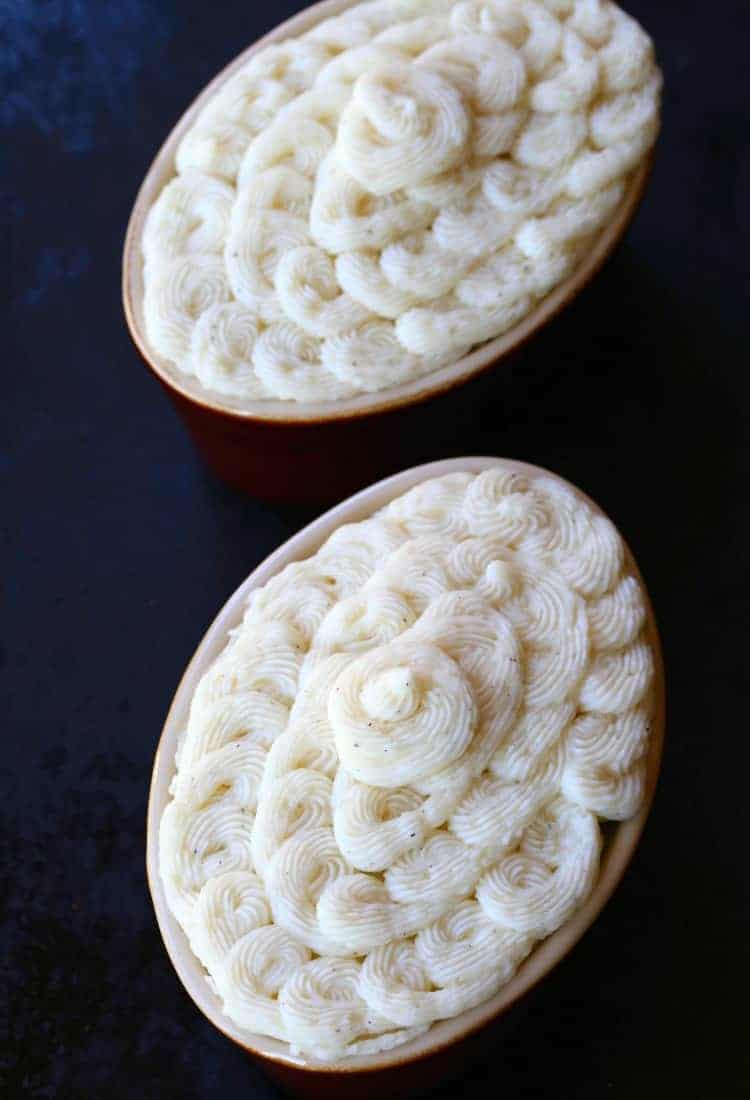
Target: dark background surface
pixel 119 548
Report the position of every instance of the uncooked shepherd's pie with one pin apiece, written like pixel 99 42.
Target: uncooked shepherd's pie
pixel 389 786
pixel 364 204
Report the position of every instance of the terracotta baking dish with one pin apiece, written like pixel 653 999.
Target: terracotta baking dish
pixel 444 1049
pixel 317 451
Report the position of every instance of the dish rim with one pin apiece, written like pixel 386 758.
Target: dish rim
pixel 420 389
pixel 617 853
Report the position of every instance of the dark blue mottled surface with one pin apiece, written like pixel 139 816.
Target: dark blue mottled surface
pixel 118 548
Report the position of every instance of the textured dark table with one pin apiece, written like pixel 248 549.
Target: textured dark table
pixel 118 548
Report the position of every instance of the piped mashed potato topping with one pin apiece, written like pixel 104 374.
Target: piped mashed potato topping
pixel 389 784
pixel 363 204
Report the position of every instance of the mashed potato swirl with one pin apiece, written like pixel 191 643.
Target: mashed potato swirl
pixel 361 205
pixel 389 785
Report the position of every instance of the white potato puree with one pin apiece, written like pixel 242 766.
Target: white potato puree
pixel 361 205
pixel 389 784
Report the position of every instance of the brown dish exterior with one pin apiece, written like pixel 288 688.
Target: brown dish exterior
pixel 441 1052
pixel 263 447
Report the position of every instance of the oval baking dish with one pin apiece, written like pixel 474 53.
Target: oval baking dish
pixel 262 446
pixel 445 1046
